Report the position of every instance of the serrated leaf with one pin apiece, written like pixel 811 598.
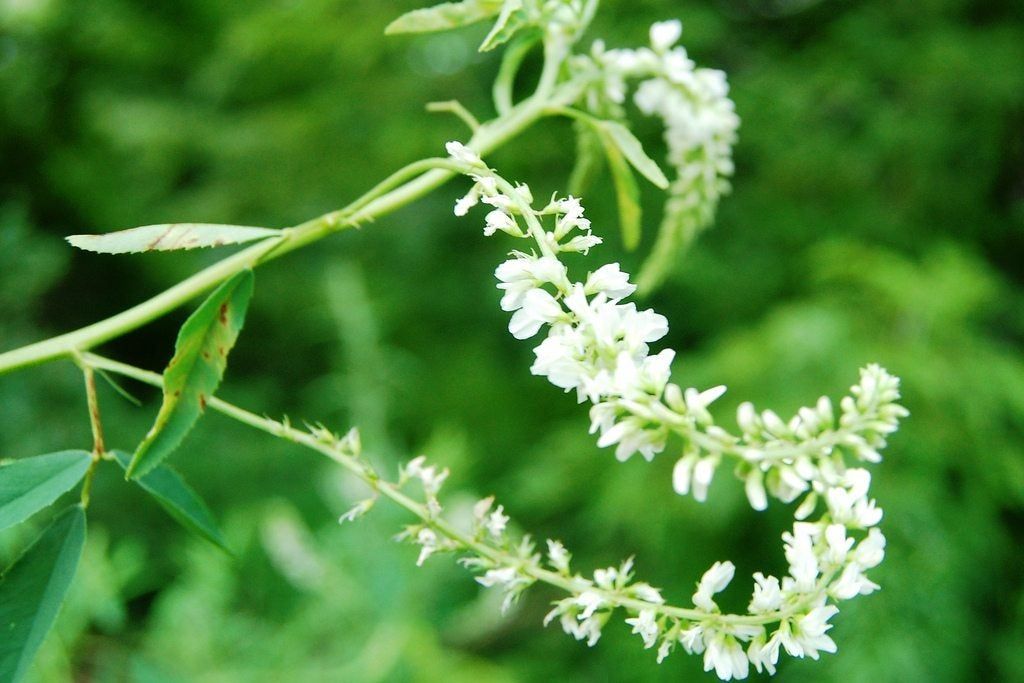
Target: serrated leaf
pixel 195 371
pixel 33 588
pixel 178 499
pixel 510 20
pixel 634 153
pixel 447 15
pixel 30 484
pixel 627 194
pixel 169 237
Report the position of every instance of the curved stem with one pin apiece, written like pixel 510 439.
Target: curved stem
pixel 368 207
pixel 392 491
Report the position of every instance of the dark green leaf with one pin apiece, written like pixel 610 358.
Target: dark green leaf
pixel 169 237
pixel 30 484
pixel 589 158
pixel 195 371
pixel 178 499
pixel 32 590
pixel 447 15
pixel 626 193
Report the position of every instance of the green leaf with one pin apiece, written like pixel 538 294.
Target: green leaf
pixel 195 371
pixel 511 19
pixel 504 83
pixel 589 158
pixel 33 588
pixel 634 152
pixel 178 499
pixel 627 194
pixel 30 484
pixel 447 15
pixel 169 237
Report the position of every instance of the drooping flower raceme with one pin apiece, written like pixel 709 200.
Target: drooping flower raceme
pixel 597 345
pixel 700 128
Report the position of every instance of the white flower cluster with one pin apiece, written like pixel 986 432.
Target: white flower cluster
pixel 597 345
pixel 700 122
pixel 827 560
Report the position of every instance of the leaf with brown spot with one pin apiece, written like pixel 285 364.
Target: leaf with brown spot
pixel 170 237
pixel 194 373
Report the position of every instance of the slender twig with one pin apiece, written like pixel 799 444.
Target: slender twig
pixel 571 584
pixel 96 424
pixel 488 136
pixel 455 107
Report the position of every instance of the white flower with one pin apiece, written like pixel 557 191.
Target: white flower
pixel 429 544
pixel 852 583
pixel 838 544
pixel 590 602
pixel 467 202
pixel 558 556
pixel 501 576
pixel 870 552
pixel 428 476
pixel 849 504
pixel 753 485
pixel 692 639
pixel 665 34
pixel 610 281
pixel 538 308
pixel 759 656
pixel 803 562
pixel 767 595
pixel 358 510
pixel 496 522
pixel 713 581
pixel 809 633
pixel 581 243
pixel 632 436
pixel 726 656
pixel 647 593
pixel 571 218
pixel 499 220
pixel 460 152
pixel 522 274
pixel 605 578
pixel 646 626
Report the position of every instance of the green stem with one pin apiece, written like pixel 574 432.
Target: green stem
pixel 367 208
pixel 96 424
pixel 390 490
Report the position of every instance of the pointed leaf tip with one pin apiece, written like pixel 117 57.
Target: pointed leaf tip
pixel 195 371
pixel 180 501
pixel 28 485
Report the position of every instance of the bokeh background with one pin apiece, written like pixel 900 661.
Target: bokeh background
pixel 878 215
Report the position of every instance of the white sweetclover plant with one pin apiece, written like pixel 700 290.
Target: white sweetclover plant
pixel 598 346
pixel 589 340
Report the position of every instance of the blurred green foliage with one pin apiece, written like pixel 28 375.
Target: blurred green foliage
pixel 878 215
